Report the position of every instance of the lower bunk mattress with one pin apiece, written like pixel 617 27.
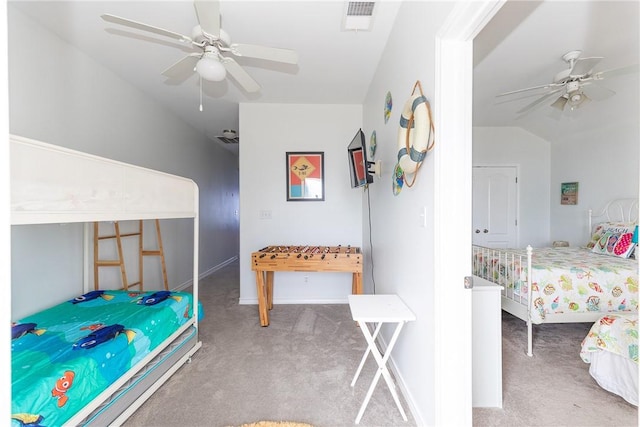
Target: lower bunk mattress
pixel 65 356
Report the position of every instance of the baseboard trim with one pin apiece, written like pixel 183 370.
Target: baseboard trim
pixel 207 273
pixel 254 301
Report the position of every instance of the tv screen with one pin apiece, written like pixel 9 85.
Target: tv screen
pixel 358 164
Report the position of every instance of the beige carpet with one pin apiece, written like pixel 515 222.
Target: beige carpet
pixel 276 424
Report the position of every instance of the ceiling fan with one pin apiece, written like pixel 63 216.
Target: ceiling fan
pixel 211 46
pixel 569 84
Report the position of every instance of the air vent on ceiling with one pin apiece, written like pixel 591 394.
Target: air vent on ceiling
pixel 229 140
pixel 358 15
pixel 229 136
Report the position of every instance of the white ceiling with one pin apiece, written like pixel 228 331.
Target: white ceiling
pixel 334 66
pixel 521 47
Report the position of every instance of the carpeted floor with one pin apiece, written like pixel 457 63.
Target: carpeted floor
pixel 553 388
pixel 299 370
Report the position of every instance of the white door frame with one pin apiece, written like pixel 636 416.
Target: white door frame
pixel 452 210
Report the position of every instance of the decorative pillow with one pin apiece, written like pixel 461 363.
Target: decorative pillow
pixel 615 239
pixel 599 230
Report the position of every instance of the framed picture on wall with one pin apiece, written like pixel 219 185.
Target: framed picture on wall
pixel 569 193
pixel 305 176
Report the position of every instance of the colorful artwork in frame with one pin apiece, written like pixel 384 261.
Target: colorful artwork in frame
pixel 305 176
pixel 569 193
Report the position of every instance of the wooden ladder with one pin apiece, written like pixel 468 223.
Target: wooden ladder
pixel 119 262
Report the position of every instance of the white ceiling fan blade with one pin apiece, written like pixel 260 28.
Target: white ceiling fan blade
pixel 537 102
pixel 614 72
pixel 547 86
pixel 140 26
pixel 240 75
pixel 597 92
pixel 584 65
pixel 183 67
pixel 287 56
pixel 208 16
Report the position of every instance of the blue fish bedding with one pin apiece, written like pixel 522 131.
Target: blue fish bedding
pixel 63 357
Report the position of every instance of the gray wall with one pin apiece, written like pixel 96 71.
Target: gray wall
pixel 59 95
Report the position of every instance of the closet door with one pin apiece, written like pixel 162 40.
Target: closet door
pixel 495 206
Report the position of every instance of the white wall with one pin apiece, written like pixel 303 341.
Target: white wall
pixel 59 95
pixel 605 164
pixel 268 132
pixel 402 246
pixel 496 146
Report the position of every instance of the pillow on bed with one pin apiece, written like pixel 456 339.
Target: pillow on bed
pixel 615 239
pixel 600 229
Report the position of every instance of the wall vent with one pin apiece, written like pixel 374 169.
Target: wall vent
pixel 359 15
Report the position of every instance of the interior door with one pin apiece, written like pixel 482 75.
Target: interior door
pixel 495 206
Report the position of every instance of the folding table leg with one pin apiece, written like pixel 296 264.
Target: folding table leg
pixel 366 353
pixel 382 369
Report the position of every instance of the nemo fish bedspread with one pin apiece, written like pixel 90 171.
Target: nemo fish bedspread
pixel 565 280
pixel 65 356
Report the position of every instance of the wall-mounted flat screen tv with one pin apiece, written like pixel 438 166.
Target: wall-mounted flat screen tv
pixel 358 164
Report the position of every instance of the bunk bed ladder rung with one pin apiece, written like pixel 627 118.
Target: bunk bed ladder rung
pixel 97 262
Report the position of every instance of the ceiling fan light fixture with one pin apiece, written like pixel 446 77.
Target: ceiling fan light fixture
pixel 560 103
pixel 211 69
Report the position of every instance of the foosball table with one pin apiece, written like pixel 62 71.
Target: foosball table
pixel 268 260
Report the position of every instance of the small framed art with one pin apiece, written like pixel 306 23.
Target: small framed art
pixel 305 176
pixel 569 193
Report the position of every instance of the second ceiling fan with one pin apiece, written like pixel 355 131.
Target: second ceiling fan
pixel 212 45
pixel 568 86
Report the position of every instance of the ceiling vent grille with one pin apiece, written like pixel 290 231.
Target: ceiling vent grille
pixel 229 136
pixel 229 140
pixel 360 8
pixel 359 15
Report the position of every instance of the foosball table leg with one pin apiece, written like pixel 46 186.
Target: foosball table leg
pixel 270 290
pixel 356 284
pixel 262 298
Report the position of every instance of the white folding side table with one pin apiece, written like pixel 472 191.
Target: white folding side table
pixel 379 309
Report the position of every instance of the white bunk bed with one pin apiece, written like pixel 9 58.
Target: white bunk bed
pixel 553 270
pixel 50 185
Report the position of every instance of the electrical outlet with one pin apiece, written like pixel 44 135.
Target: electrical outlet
pixel 306 279
pixel 265 214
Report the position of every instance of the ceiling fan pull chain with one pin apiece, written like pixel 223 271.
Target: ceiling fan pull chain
pixel 200 93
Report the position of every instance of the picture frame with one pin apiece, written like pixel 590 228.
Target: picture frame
pixel 569 193
pixel 305 176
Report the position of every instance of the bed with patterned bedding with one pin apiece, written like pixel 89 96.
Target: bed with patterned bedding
pixel 611 349
pixel 564 280
pixel 66 356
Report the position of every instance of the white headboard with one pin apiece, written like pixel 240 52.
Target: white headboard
pixel 622 210
pixel 52 184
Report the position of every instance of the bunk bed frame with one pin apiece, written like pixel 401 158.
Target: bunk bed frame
pixel 68 186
